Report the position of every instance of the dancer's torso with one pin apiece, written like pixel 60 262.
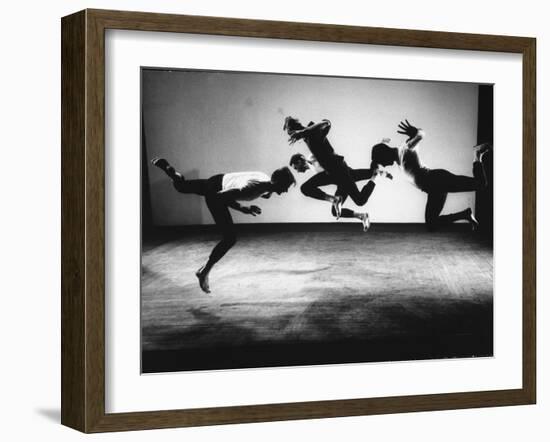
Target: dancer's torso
pixel 323 151
pixel 412 166
pixel 315 164
pixel 246 183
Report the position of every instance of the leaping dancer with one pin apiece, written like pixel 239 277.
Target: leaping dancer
pixel 437 183
pixel 315 137
pixel 223 191
pixel 310 188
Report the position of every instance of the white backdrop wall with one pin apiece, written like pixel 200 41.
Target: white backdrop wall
pixel 30 225
pixel 210 122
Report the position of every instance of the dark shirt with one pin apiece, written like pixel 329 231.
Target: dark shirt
pixel 322 150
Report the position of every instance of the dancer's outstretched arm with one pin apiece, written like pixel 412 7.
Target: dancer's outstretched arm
pixel 248 210
pixel 252 191
pixel 235 205
pixel 415 134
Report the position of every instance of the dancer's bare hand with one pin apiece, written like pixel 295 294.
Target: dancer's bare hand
pixel 252 210
pixel 408 129
pixel 296 135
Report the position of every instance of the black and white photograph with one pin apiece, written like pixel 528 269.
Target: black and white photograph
pixel 296 220
pixel 265 221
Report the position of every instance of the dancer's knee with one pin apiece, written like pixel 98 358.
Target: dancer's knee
pixel 333 211
pixel 306 190
pixel 358 200
pixel 179 184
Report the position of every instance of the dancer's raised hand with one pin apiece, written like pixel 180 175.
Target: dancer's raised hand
pixel 408 129
pixel 296 135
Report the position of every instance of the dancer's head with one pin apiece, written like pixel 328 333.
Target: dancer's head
pixel 383 155
pixel 282 179
pixel 292 125
pixel 298 162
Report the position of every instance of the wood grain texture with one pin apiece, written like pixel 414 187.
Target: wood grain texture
pixel 73 350
pixel 83 217
pixel 529 221
pixel 95 222
pixel 306 31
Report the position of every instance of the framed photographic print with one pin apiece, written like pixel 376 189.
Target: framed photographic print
pixel 268 220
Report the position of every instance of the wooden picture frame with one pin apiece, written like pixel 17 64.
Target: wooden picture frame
pixel 83 220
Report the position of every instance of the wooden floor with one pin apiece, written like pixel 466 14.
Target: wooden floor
pixel 316 297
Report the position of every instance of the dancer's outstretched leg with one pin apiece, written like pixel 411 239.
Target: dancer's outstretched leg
pixel 224 222
pixel 209 189
pixel 197 187
pixel 165 166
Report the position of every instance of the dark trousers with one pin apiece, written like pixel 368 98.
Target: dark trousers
pixel 437 183
pixel 311 187
pixel 342 176
pixel 218 208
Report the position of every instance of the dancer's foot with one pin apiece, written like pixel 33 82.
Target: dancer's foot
pixel 365 221
pixel 474 224
pixel 337 205
pixel 161 163
pixel 481 149
pixel 164 165
pixel 203 280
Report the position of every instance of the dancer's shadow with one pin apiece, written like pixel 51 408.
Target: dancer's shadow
pixel 287 271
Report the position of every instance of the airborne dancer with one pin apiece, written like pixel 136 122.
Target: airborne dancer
pixel 310 188
pixel 223 191
pixel 315 137
pixel 437 183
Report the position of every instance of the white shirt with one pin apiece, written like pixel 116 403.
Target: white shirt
pixel 245 182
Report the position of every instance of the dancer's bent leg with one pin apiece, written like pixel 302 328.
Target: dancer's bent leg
pixel 434 206
pixel 440 182
pixel 344 213
pixel 310 188
pixel 360 174
pixel 342 174
pixel 197 187
pixel 348 213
